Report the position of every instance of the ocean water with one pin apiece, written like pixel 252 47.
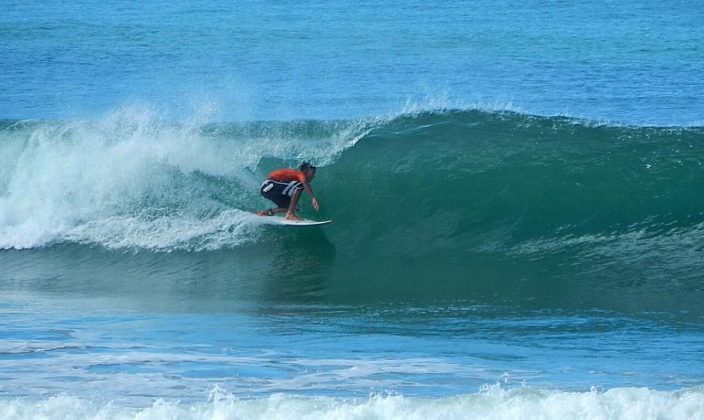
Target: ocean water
pixel 515 189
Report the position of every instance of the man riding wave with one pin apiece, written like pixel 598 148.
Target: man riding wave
pixel 284 186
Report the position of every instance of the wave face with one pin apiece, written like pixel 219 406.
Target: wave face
pixel 514 205
pixel 467 204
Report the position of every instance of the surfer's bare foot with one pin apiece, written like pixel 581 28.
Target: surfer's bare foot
pixel 269 212
pixel 291 216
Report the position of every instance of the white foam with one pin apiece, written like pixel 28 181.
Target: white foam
pixel 226 229
pixel 131 179
pixel 491 402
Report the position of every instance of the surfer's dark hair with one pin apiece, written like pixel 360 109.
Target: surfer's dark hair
pixel 306 165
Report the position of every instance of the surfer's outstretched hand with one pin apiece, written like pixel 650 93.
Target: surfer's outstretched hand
pixel 316 206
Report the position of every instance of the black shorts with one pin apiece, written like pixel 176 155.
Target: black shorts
pixel 280 192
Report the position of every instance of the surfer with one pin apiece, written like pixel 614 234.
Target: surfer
pixel 284 186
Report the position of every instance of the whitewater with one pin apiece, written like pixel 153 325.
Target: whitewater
pixel 132 179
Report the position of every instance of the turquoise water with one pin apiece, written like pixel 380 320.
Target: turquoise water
pixel 515 191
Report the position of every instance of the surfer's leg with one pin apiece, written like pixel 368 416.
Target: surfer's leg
pixel 291 214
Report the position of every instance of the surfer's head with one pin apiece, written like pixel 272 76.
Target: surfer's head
pixel 308 169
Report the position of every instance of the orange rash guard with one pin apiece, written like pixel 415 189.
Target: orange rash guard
pixel 287 175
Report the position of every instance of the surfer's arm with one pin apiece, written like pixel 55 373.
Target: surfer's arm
pixel 309 190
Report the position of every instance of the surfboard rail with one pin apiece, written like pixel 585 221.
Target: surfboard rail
pixel 278 220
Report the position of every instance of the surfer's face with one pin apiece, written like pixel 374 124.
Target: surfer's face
pixel 310 174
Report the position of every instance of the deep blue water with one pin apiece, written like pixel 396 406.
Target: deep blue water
pixel 637 63
pixel 515 190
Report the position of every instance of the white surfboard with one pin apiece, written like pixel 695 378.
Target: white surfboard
pixel 278 220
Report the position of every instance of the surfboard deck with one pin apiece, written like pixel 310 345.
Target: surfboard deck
pixel 277 220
